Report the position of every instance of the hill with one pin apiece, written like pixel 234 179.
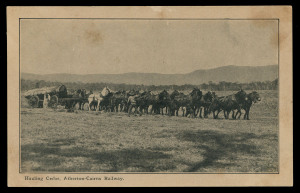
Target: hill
pixel 241 74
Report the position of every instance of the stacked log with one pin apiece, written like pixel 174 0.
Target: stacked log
pixel 61 90
pixel 42 96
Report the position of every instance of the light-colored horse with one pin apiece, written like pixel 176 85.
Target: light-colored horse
pixel 98 97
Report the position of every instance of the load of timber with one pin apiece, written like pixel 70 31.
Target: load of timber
pixel 61 91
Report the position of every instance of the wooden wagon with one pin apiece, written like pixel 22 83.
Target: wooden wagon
pixel 41 97
pixel 53 96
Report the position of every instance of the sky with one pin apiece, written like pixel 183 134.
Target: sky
pixel 94 46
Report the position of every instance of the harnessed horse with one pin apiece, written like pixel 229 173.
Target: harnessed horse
pixel 97 98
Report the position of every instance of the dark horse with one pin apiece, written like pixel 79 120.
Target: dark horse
pixel 153 100
pixel 118 99
pixel 144 100
pixel 195 100
pixel 164 101
pixel 234 102
pixel 179 100
pixel 81 94
pixel 105 103
pixel 78 97
pixel 205 102
pixel 228 103
pixel 174 103
pixel 216 106
pixel 252 98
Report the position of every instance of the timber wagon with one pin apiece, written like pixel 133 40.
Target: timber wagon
pixel 53 96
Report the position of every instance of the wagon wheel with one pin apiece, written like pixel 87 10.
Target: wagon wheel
pixel 53 102
pixel 34 101
pixel 85 106
pixel 77 106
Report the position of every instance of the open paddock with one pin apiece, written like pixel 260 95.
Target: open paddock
pixel 54 140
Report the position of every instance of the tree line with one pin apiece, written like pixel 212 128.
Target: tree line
pixel 220 86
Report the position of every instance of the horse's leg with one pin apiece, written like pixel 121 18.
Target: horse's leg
pixel 129 110
pixel 240 113
pixel 73 105
pixel 135 109
pixel 89 106
pixel 217 115
pixel 141 111
pixel 200 115
pixel 233 117
pixel 185 112
pixel 226 114
pixel 237 114
pixel 98 105
pixel 248 110
pixel 205 112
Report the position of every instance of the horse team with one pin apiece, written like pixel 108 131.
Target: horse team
pixel 194 104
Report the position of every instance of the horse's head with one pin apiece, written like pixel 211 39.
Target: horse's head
pixel 132 92
pixel 196 93
pixel 123 92
pixel 208 96
pixel 164 95
pixel 143 93
pixel 213 94
pixel 105 91
pixel 81 92
pixel 174 94
pixel 254 97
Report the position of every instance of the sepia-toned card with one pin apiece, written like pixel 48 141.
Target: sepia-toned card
pixel 149 96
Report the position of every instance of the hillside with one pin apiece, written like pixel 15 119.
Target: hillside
pixel 241 74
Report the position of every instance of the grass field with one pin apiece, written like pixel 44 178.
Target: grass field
pixel 82 141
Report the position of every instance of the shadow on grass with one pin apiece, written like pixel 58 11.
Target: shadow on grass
pixel 220 146
pixel 108 161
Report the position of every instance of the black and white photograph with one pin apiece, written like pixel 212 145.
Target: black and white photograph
pixel 148 95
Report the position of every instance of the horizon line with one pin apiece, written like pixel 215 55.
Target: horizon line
pixel 148 72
